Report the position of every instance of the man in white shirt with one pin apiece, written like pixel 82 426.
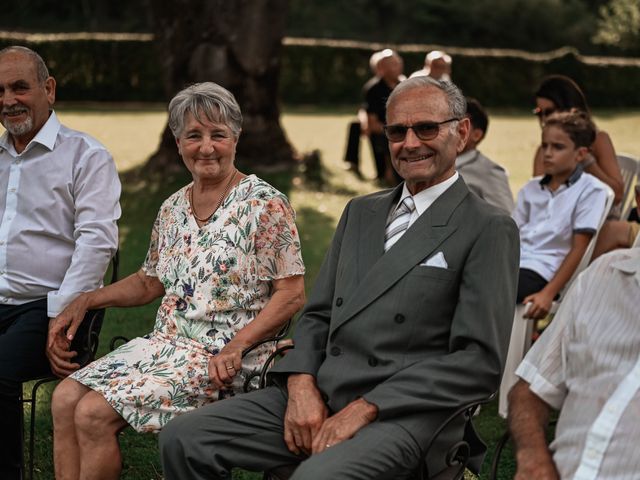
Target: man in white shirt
pixel 59 192
pixel 587 366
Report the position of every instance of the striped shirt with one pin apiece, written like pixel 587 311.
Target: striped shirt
pixel 586 365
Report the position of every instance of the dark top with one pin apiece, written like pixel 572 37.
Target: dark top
pixel 375 99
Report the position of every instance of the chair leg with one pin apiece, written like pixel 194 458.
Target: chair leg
pixel 32 425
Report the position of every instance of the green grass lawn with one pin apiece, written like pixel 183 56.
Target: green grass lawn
pixel 132 136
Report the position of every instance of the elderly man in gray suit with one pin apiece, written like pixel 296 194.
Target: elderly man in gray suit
pixel 408 319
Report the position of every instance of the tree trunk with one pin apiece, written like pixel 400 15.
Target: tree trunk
pixel 237 44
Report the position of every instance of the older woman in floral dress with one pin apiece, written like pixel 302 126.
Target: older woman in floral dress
pixel 225 258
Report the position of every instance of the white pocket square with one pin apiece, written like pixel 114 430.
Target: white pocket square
pixel 436 260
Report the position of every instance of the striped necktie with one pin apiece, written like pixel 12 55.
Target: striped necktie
pixel 398 222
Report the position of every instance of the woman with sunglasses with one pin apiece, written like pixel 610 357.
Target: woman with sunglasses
pixel 558 93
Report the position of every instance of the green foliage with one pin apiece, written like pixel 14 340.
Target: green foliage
pixel 320 75
pixel 536 26
pixel 619 25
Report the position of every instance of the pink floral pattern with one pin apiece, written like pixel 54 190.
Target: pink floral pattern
pixel 217 279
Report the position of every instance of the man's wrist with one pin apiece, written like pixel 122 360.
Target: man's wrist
pixel 370 410
pixel 300 380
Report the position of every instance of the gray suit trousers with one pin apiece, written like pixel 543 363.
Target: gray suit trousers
pixel 247 432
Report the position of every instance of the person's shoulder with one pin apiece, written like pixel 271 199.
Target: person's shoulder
pixel 254 188
pixel 490 164
pixel 602 265
pixel 588 183
pixel 84 139
pixel 176 198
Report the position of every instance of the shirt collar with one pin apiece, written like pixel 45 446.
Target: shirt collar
pixel 573 178
pixel 466 157
pixel 46 136
pixel 630 265
pixel 426 197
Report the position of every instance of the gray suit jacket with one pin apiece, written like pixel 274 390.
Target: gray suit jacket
pixel 417 341
pixel 488 180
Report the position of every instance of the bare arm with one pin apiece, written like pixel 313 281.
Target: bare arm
pixel 606 166
pixel 286 299
pixel 541 301
pixel 528 419
pixel 136 289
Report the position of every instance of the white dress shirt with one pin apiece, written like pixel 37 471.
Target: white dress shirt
pixel 58 212
pixel 547 220
pixel 425 198
pixel 586 365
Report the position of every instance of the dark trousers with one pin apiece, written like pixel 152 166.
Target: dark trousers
pixel 23 337
pixel 381 156
pixel 352 155
pixel 529 282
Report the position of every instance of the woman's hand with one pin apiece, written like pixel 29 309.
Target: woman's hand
pixel 224 366
pixel 62 330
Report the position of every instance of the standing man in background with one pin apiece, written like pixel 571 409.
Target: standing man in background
pixel 390 68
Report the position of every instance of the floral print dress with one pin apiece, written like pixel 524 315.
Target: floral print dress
pixel 217 279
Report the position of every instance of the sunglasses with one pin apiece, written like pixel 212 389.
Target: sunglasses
pixel 423 130
pixel 539 112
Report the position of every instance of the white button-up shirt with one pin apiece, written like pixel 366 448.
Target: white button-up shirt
pixel 58 212
pixel 586 365
pixel 547 220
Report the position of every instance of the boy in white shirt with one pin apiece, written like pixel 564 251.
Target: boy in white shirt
pixel 558 213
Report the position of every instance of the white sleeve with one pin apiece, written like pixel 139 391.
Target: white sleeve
pixel 96 192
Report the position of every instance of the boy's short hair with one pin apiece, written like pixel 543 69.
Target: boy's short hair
pixel 576 124
pixel 477 114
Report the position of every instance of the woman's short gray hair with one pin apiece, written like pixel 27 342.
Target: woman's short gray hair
pixel 455 99
pixel 216 103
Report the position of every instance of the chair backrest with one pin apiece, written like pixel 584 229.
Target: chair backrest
pixel 630 169
pixel 586 258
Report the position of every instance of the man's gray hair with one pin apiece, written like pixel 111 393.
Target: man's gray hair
pixel 216 103
pixel 455 99
pixel 42 72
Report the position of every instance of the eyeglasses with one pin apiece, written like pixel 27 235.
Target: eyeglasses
pixel 539 112
pixel 423 130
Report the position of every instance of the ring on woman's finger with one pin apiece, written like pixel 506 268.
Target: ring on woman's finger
pixel 230 367
pixel 328 445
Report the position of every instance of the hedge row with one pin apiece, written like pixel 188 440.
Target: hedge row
pixel 324 75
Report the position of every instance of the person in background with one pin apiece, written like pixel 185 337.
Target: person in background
pixel 437 64
pixel 557 214
pixel 558 93
pixel 59 203
pixel 361 126
pixel 485 178
pixel 390 68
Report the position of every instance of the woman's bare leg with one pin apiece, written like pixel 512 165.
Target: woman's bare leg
pixel 66 452
pixel 97 428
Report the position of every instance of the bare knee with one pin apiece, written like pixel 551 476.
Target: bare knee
pixel 65 399
pixel 95 418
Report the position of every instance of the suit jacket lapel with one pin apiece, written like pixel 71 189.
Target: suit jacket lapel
pixel 419 242
pixel 374 221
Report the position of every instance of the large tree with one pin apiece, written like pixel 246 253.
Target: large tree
pixel 236 44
